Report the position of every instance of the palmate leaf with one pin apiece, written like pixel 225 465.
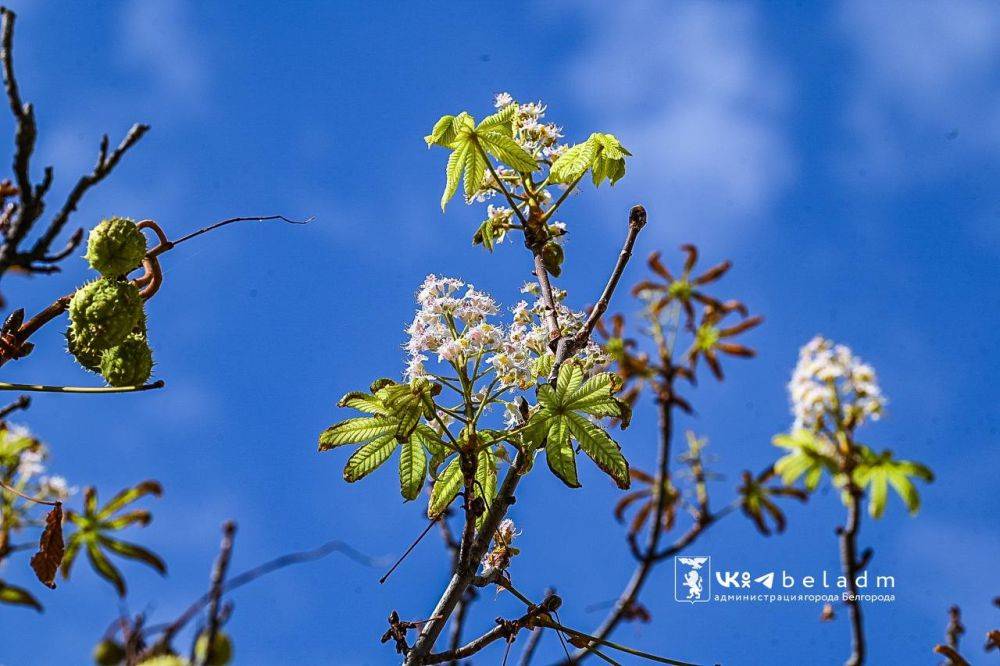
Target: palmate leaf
pixel 95 526
pixel 369 457
pixel 561 419
pixel 878 472
pixel 446 488
pixel 395 424
pixel 486 480
pixel 757 501
pixel 574 162
pixel 18 596
pixel 412 469
pixel 471 143
pixel 602 153
pixel 808 457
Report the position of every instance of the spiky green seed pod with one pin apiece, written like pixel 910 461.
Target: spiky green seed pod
pixel 103 312
pixel 116 247
pixel 222 650
pixel 108 653
pixel 87 357
pixel 128 364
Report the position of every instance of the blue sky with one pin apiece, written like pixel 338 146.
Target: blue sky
pixel 844 156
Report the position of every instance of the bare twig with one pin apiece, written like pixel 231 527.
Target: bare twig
pixel 215 590
pixel 566 347
pixel 955 627
pixel 636 221
pixel 534 638
pixel 250 575
pixel 23 402
pixel 408 550
pixel 21 218
pixel 505 629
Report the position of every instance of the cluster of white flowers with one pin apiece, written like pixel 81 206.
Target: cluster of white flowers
pixel 828 375
pixel 451 323
pixel 30 464
pixel 528 338
pixel 55 487
pixel 31 468
pixel 529 130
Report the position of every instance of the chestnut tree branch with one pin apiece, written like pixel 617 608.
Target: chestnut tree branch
pixel 21 218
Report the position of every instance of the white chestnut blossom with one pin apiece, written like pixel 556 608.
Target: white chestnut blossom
pixel 30 464
pixel 452 322
pixel 54 487
pixel 500 100
pixel 827 377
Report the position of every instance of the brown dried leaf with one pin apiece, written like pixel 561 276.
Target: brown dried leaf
pixel 50 548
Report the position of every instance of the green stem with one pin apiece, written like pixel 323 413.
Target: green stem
pixel 43 388
pixel 572 186
pixel 503 188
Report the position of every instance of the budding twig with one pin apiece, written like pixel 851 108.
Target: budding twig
pixel 20 218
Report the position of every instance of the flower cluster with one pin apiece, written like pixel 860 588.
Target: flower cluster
pixel 450 323
pixel 22 463
pixel 529 130
pixel 539 138
pixel 528 339
pixel 498 559
pixel 829 380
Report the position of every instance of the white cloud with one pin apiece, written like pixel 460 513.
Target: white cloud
pixel 691 89
pixel 160 38
pixel 926 94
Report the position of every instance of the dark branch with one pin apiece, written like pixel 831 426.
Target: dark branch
pixel 217 583
pixel 23 402
pixel 105 164
pixel 20 218
pixel 566 347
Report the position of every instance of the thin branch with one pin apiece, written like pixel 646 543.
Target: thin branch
pixel 35 500
pixel 620 647
pixel 566 348
pixel 22 217
pixel 215 591
pixel 44 388
pixel 23 402
pixel 104 166
pixel 212 227
pixel 529 648
pixel 408 550
pixel 636 221
pixel 505 629
pixel 848 535
pixel 250 575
